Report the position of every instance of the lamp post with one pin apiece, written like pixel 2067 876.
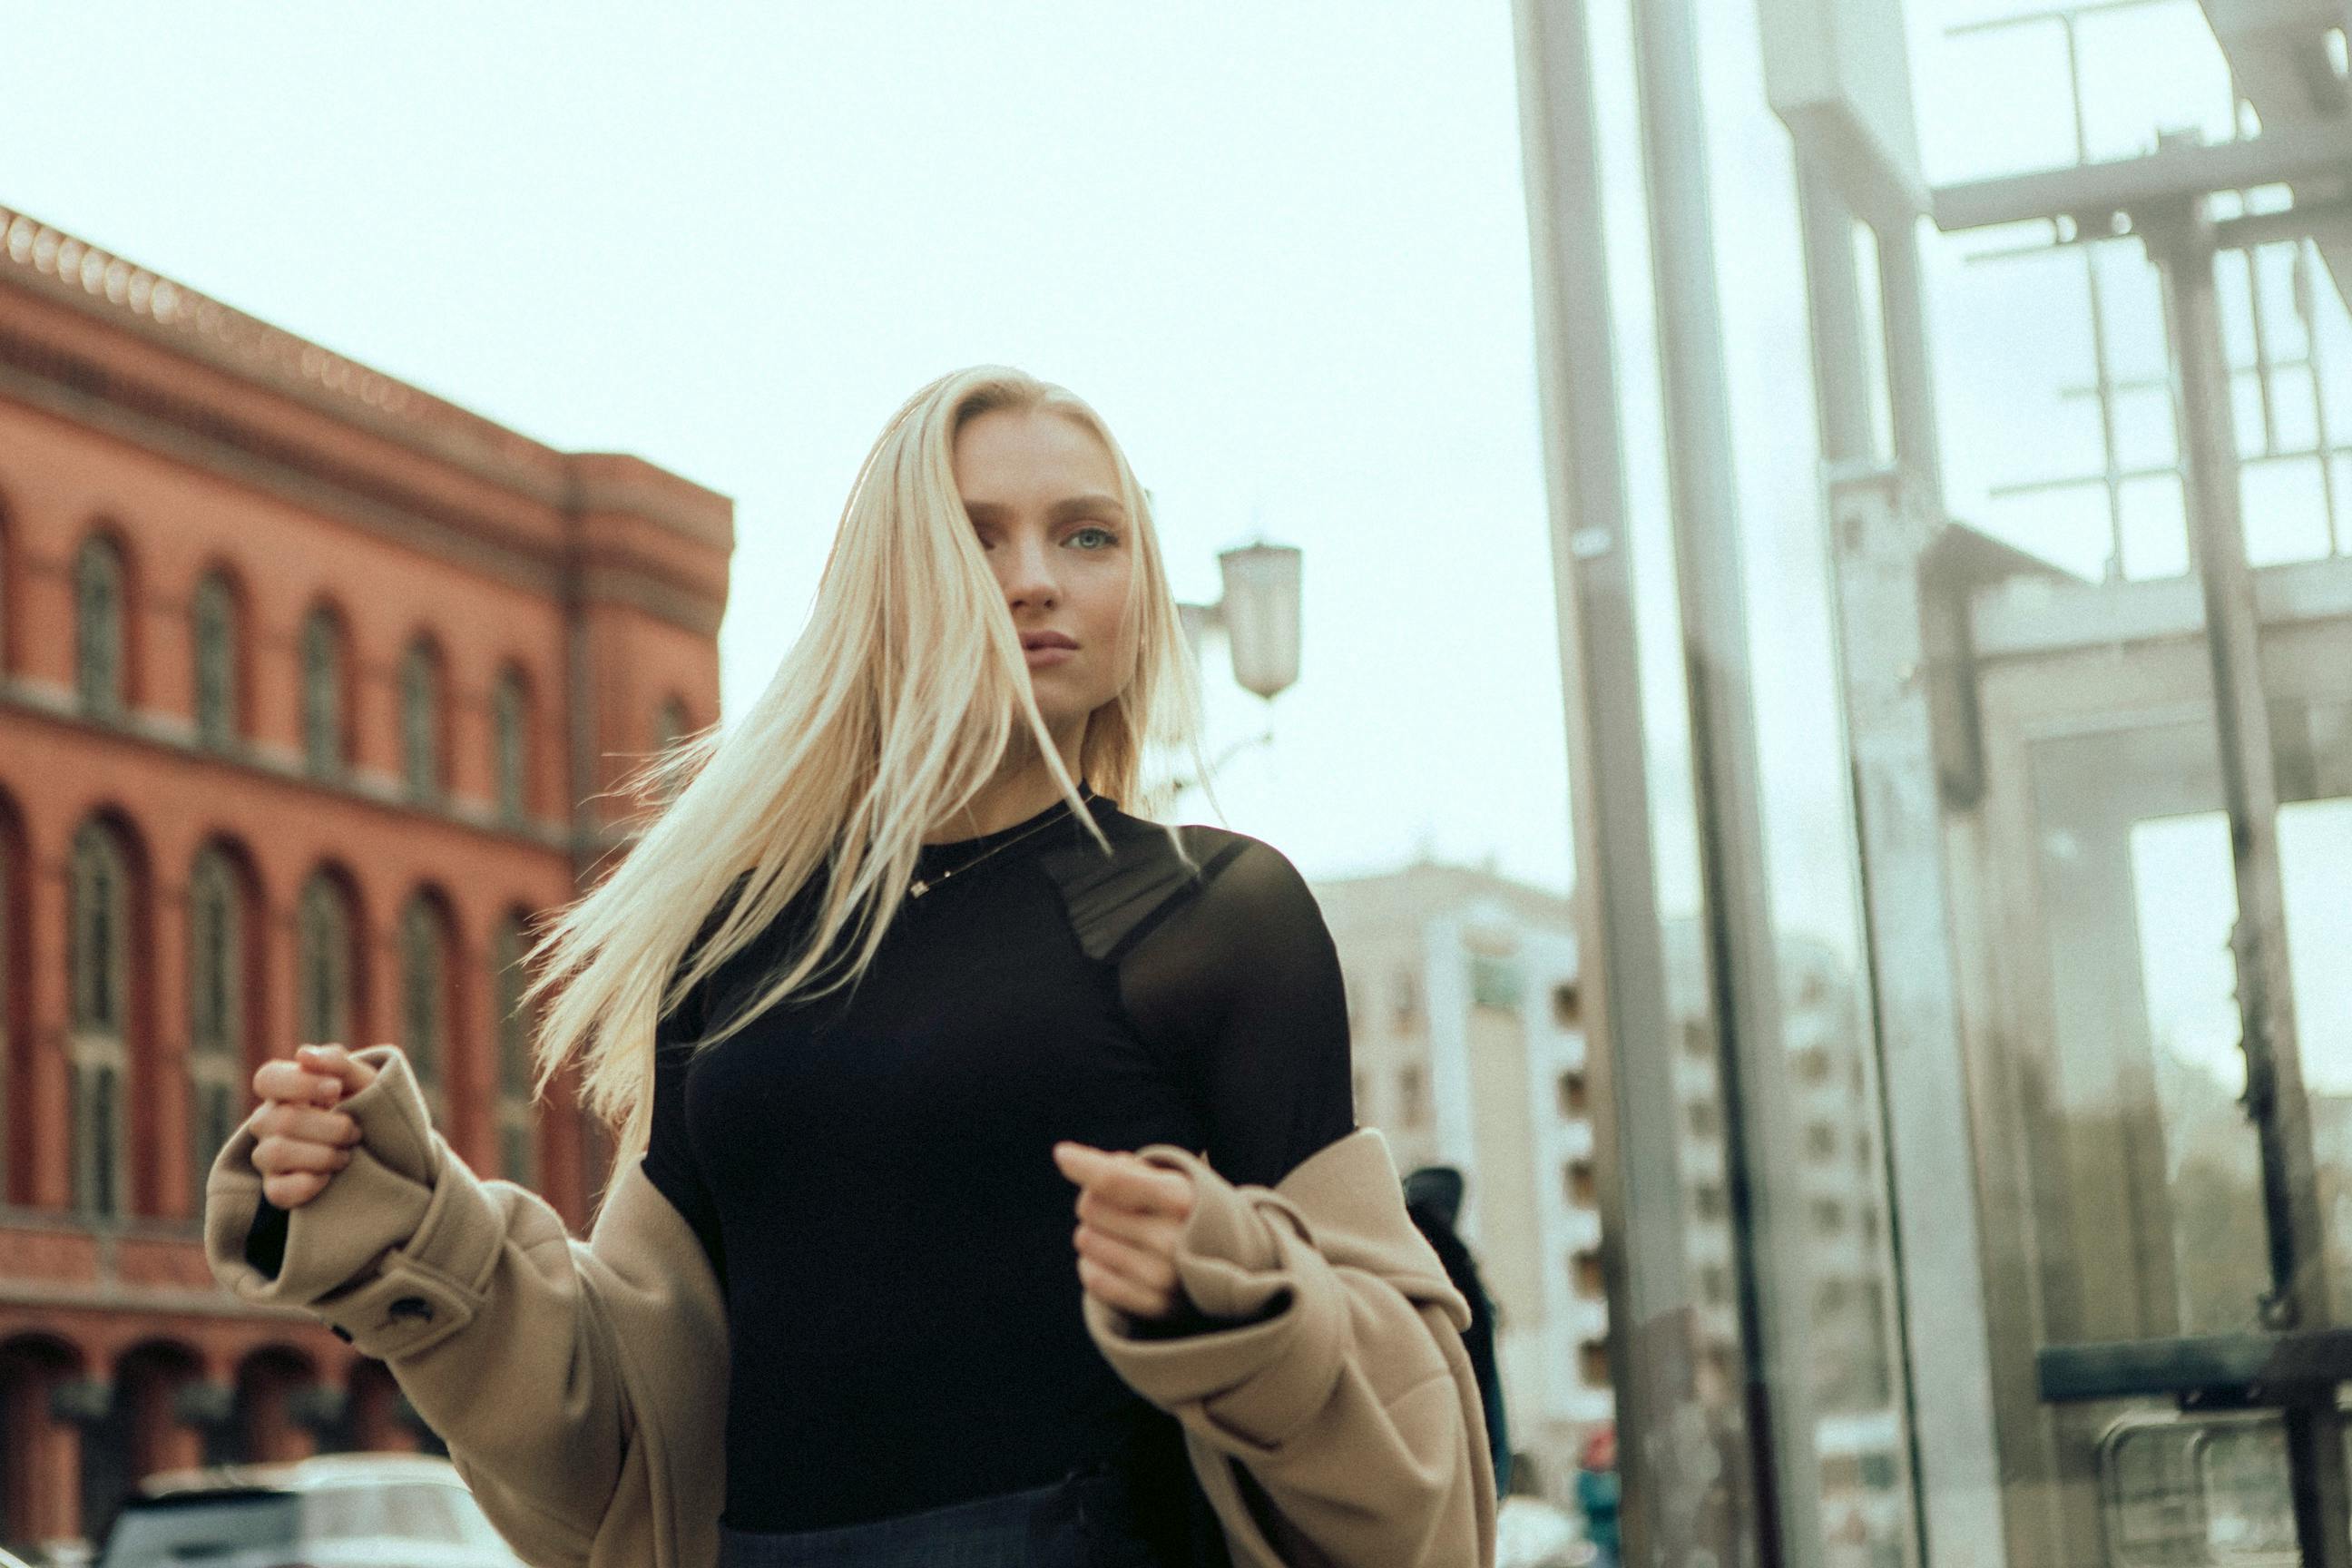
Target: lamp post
pixel 1259 615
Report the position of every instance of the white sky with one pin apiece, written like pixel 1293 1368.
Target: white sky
pixel 1283 248
pixel 732 238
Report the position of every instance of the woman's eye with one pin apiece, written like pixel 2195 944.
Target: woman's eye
pixel 1103 538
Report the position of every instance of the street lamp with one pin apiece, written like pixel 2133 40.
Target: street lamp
pixel 1259 615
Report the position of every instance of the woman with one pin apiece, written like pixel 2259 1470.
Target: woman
pixel 892 985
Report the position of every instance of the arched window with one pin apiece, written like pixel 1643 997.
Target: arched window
pixel 518 1123
pixel 511 744
pixel 323 750
pixel 98 628
pixel 211 624
pixel 99 961
pixel 420 721
pixel 425 997
pixel 216 1005
pixel 323 965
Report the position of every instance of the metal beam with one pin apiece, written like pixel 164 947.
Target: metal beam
pixel 2091 193
pixel 2237 1369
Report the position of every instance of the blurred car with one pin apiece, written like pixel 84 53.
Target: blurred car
pixel 1532 1533
pixel 338 1510
pixel 68 1553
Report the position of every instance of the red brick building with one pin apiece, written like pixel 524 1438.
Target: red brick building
pixel 313 692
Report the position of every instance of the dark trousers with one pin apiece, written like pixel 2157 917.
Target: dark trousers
pixel 1087 1519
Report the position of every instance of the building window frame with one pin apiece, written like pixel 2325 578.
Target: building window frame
pixel 101 899
pixel 519 1143
pixel 326 963
pixel 427 973
pixel 217 1006
pixel 102 623
pixel 326 658
pixel 423 704
pixel 1575 1094
pixel 510 719
pixel 216 658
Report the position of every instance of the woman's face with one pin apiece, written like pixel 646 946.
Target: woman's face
pixel 1043 497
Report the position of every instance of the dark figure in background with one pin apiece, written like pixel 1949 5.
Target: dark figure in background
pixel 1432 1196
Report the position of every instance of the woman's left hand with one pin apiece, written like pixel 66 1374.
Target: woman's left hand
pixel 1130 1213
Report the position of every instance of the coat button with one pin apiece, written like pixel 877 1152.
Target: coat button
pixel 416 1307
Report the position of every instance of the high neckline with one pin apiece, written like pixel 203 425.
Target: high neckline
pixel 981 842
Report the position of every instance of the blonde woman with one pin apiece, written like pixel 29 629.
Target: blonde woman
pixel 989 1191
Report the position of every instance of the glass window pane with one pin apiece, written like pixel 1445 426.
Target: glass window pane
pixel 322 696
pixel 99 618
pixel 511 739
pixel 420 720
pixel 215 663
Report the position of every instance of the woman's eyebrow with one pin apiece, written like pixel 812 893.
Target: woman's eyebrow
pixel 1092 504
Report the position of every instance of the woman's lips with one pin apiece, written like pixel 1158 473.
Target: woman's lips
pixel 1039 657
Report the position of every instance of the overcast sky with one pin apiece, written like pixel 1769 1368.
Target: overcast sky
pixel 1283 248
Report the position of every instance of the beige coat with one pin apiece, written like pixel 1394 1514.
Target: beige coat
pixel 582 1385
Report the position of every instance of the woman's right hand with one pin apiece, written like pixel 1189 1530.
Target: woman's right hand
pixel 301 1138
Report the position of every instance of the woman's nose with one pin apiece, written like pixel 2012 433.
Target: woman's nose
pixel 1026 573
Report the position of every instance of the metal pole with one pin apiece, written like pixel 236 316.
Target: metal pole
pixel 1877 531
pixel 1775 1299
pixel 2181 245
pixel 1678 1511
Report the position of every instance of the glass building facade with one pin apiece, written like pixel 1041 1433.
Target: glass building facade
pixel 1955 586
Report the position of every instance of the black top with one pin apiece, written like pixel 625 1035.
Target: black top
pixel 871 1173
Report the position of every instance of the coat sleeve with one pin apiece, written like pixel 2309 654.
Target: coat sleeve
pixel 1335 1416
pixel 517 1343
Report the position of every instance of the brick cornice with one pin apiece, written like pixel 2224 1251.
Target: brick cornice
pixel 119 392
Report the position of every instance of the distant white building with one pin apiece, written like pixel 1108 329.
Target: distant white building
pixel 1463 998
pixel 1463 993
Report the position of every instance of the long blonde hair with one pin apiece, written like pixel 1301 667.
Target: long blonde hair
pixel 891 711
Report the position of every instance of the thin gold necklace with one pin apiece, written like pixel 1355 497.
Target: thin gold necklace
pixel 921 885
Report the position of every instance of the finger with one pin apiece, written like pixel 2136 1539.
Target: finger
pixel 1129 1182
pixel 308 1123
pixel 286 1080
pixel 1081 1163
pixel 277 1156
pixel 351 1074
pixel 291 1192
pixel 1158 1232
pixel 1114 1291
pixel 1144 1265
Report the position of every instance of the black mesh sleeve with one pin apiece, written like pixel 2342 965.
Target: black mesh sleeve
pixel 669 1161
pixel 1244 982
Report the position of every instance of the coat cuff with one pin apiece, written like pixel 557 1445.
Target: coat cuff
pixel 1277 1343
pixel 393 1251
